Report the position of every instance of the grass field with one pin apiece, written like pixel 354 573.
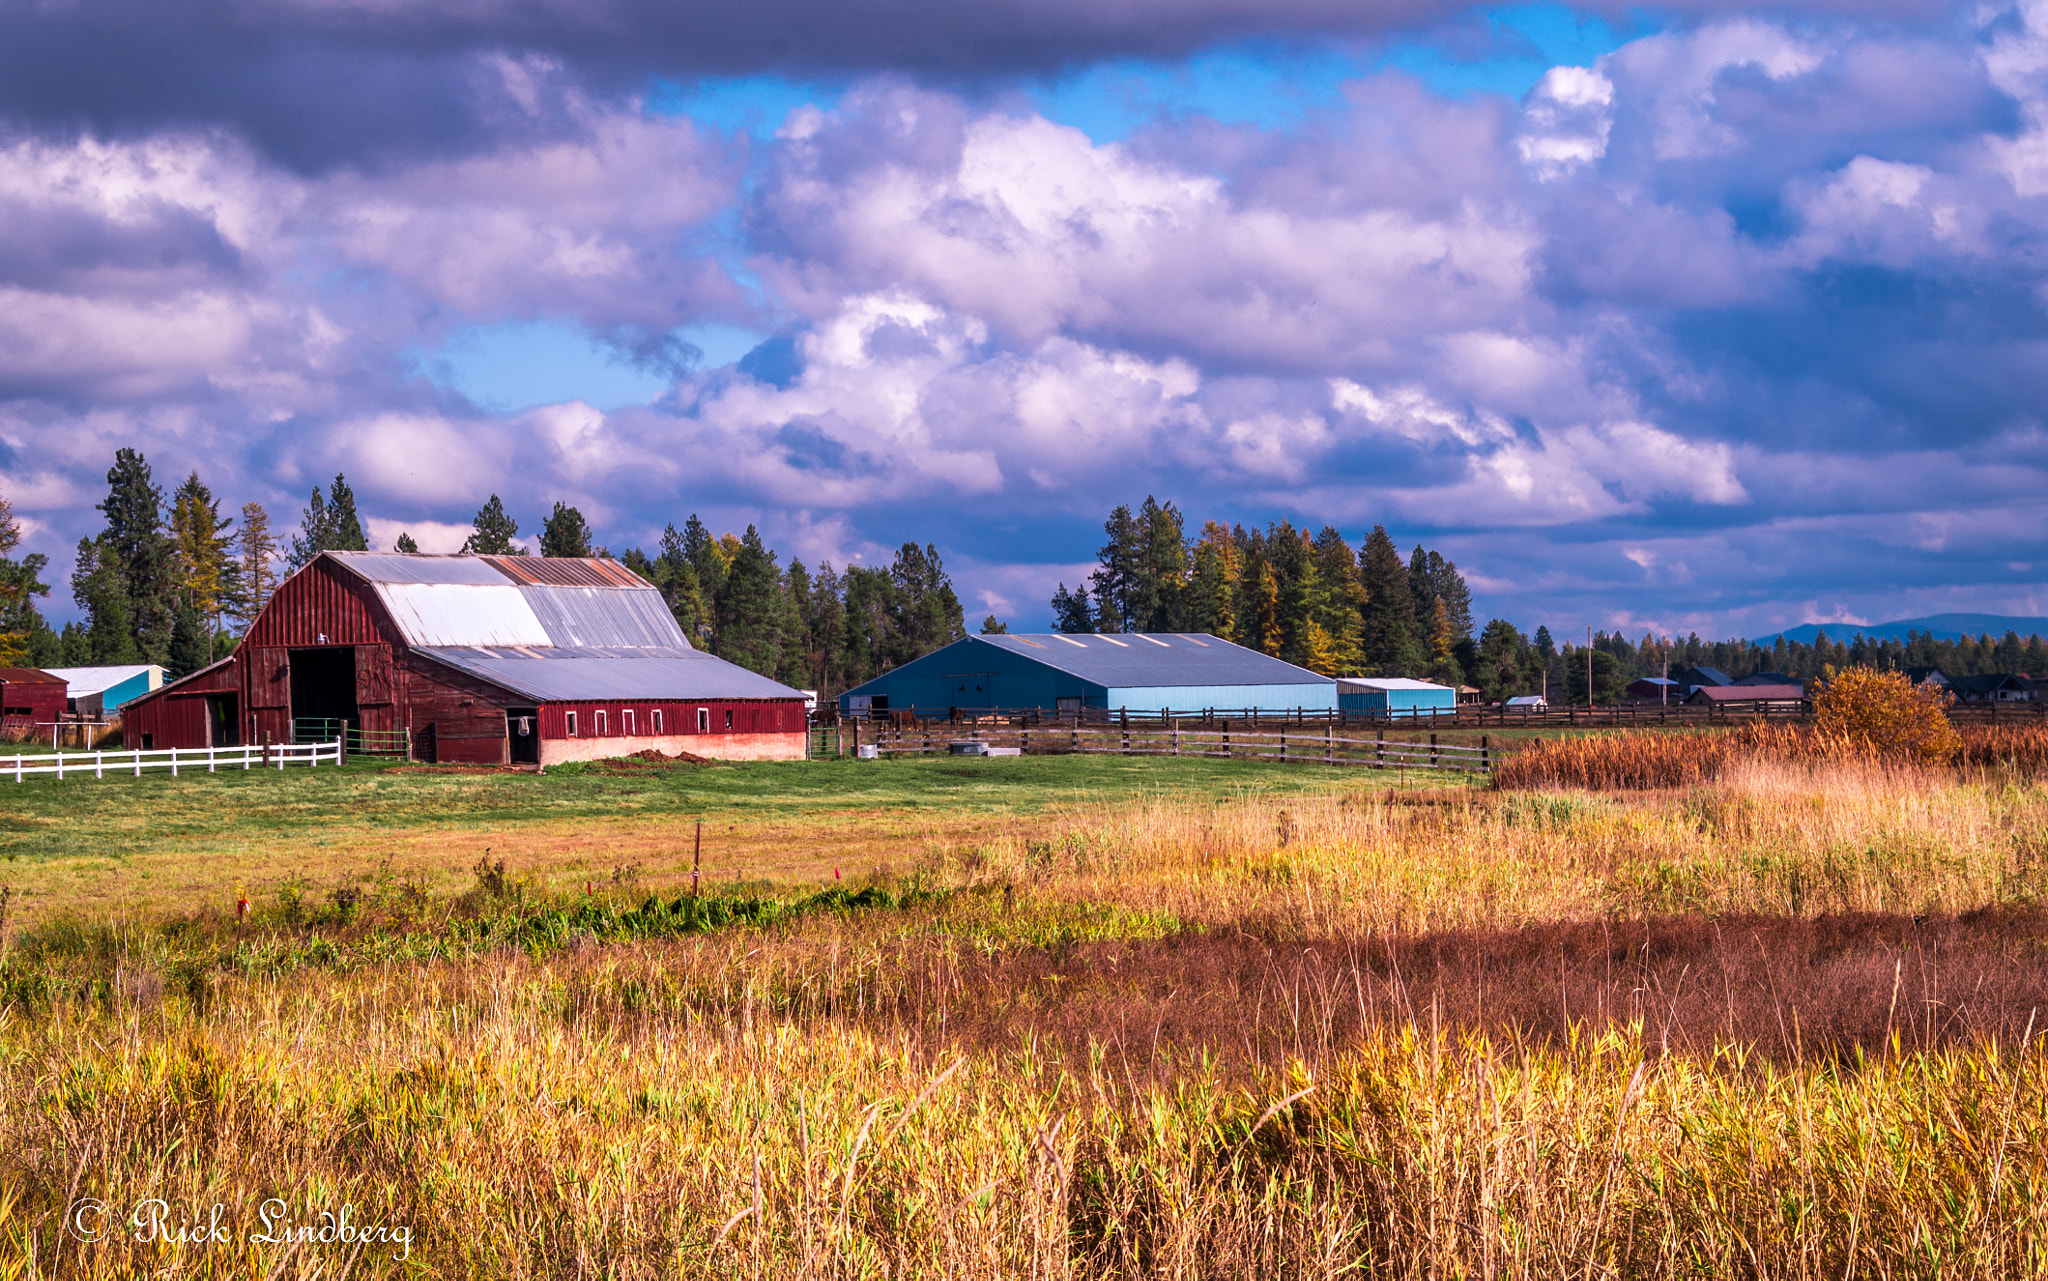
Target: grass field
pixel 1064 1016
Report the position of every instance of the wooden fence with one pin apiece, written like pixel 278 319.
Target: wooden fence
pixel 1302 745
pixel 1469 716
pixel 214 759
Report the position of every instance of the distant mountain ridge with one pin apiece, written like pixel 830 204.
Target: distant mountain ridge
pixel 1939 626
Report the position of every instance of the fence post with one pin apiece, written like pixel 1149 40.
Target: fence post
pixel 174 762
pixel 1379 751
pixel 1176 736
pixel 17 767
pixel 1485 755
pixel 1432 751
pixel 1283 742
pixel 1329 745
pixel 97 758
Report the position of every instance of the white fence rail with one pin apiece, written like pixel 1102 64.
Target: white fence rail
pixel 212 759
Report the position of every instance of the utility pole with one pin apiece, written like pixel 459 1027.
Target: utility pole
pixel 1589 668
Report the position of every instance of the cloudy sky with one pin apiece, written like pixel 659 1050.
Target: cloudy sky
pixel 1701 317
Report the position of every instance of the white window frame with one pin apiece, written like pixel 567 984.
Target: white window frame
pixel 703 720
pixel 604 723
pixel 626 722
pixel 572 723
pixel 657 720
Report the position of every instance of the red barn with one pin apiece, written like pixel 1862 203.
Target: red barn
pixel 487 659
pixel 31 697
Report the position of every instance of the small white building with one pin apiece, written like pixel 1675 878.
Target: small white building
pixel 98 692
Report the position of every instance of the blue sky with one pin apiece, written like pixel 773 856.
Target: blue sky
pixel 1675 319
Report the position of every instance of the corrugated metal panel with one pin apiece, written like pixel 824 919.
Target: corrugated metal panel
pixel 392 567
pixel 1183 699
pixel 1359 684
pixel 316 606
pixel 551 675
pixel 562 571
pixel 432 614
pixel 576 617
pixel 91 680
pixel 1128 661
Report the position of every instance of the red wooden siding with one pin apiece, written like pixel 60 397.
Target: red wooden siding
pixel 317 602
pixel 37 701
pixel 178 719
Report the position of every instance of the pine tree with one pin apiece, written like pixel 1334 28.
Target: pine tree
pixel 343 528
pixel 1213 588
pixel 993 626
pixel 1340 603
pixel 21 626
pixel 566 533
pixel 100 588
pixel 405 546
pixel 1393 646
pixel 206 568
pixel 1116 583
pixel 1262 604
pixel 1160 574
pixel 492 532
pixel 677 580
pixel 825 625
pixel 1072 612
pixel 928 613
pixel 190 648
pixel 1443 637
pixel 256 560
pixel 752 611
pixel 313 535
pixel 147 561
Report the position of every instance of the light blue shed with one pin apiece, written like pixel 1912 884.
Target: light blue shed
pixel 100 691
pixel 1394 696
pixel 1178 672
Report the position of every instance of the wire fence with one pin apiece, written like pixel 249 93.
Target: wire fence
pixel 361 742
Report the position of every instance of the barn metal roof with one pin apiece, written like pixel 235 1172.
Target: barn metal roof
pixel 1136 660
pixel 599 674
pixel 1385 683
pixel 92 680
pixel 488 601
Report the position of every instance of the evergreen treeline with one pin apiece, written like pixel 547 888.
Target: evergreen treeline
pixel 172 580
pixel 1311 599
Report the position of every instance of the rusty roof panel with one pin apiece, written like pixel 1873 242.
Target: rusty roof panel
pixel 551 571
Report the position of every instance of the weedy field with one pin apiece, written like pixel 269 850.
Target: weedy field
pixel 1109 1019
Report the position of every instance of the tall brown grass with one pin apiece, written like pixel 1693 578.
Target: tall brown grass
pixel 1609 762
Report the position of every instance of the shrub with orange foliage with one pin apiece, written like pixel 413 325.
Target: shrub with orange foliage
pixel 1884 714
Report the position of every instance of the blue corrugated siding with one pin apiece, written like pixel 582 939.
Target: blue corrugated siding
pixel 972 673
pixel 1401 702
pixel 1197 698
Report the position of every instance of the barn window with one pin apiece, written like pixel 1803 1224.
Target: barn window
pixel 572 724
pixel 728 720
pixel 627 718
pixel 657 720
pixel 703 720
pixel 603 726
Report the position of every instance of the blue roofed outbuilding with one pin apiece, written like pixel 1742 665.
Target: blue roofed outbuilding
pixel 1178 672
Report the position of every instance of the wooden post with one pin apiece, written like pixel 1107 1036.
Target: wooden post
pixel 1176 736
pixel 1432 751
pixel 1485 754
pixel 1283 742
pixel 1329 745
pixel 1379 758
pixel 697 858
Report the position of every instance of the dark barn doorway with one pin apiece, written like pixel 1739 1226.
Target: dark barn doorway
pixel 323 693
pixel 221 721
pixel 522 733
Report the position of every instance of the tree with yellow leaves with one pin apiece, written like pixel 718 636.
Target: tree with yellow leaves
pixel 206 570
pixel 1886 714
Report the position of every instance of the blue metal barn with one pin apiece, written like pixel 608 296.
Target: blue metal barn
pixel 1394 695
pixel 1184 673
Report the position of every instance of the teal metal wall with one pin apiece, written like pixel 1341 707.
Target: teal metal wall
pixel 1400 702
pixel 1188 699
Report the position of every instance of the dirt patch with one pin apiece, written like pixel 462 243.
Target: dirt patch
pixel 641 762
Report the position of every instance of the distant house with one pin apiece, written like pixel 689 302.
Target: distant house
pixel 1692 678
pixel 1923 675
pixel 1182 672
pixel 1998 687
pixel 1709 695
pixel 30 696
pixel 1394 695
pixel 1770 678
pixel 97 692
pixel 1528 700
pixel 1656 689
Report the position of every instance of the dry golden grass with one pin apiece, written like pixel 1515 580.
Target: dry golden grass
pixel 1183 1036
